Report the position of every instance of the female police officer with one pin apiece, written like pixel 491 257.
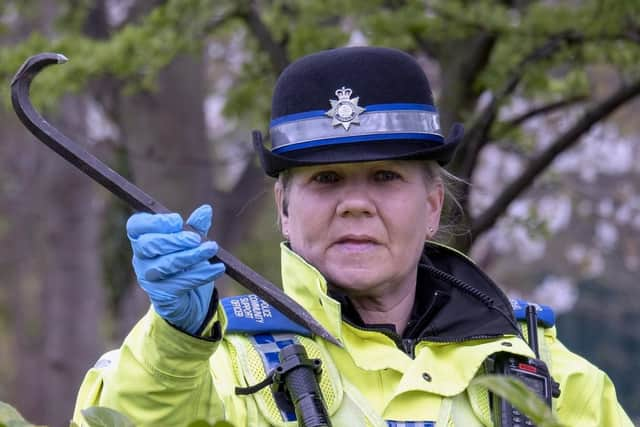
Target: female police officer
pixel 356 147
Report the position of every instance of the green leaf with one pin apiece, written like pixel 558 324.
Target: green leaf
pixel 9 413
pixel 10 417
pixel 98 416
pixel 18 423
pixel 520 396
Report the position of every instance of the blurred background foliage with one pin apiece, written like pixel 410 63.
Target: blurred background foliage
pixel 167 92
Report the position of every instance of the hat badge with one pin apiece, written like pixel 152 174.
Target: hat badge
pixel 345 110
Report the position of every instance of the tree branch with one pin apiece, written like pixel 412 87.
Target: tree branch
pixel 633 33
pixel 460 72
pixel 477 135
pixel 464 21
pixel 565 141
pixel 219 20
pixel 543 109
pixel 276 51
pixel 630 33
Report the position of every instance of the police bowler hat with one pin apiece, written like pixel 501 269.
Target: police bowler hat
pixel 353 104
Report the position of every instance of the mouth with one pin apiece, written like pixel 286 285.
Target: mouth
pixel 355 243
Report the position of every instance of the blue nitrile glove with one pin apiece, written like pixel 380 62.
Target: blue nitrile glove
pixel 172 265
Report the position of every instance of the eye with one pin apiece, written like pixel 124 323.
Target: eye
pixel 326 177
pixel 386 175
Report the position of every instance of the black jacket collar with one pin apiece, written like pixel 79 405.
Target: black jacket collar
pixel 455 301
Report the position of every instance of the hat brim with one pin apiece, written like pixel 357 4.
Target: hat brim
pixel 368 151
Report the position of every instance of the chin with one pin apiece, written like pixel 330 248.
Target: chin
pixel 358 281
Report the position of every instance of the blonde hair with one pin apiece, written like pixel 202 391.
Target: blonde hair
pixel 452 223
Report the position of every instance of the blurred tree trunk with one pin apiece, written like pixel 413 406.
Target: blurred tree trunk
pixel 50 259
pixel 72 295
pixel 20 255
pixel 165 135
pixel 458 74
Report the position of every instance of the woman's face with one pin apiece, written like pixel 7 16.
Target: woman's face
pixel 362 225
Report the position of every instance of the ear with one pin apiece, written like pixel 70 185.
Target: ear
pixel 435 202
pixel 283 217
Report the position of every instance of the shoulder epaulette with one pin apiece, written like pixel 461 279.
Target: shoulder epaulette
pixel 252 315
pixel 546 316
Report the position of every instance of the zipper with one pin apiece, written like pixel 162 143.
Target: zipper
pixel 459 340
pixel 408 345
pixel 391 335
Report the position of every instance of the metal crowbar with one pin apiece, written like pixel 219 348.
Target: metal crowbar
pixel 134 196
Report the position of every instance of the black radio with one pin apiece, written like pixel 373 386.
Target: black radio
pixel 533 372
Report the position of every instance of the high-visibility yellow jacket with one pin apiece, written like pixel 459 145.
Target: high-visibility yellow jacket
pixel 164 377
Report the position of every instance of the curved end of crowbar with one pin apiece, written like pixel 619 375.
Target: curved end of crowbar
pixel 35 63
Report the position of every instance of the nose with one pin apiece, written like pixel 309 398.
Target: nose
pixel 355 201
